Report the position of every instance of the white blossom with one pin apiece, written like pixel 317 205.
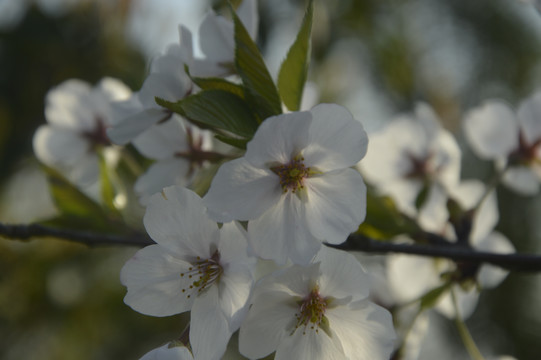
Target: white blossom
pixel 411 277
pixel 168 79
pixel 410 155
pixel 78 116
pixel 194 266
pixel 318 311
pixel 216 38
pixel 294 184
pixel 178 149
pixel 512 140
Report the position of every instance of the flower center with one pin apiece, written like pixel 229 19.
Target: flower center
pixel 99 135
pixel 292 174
pixel 203 273
pixel 311 312
pixel 420 167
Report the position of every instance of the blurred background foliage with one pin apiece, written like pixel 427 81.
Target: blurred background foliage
pixel 60 300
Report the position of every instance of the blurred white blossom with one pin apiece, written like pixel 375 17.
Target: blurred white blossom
pixel 179 150
pixel 78 116
pixel 411 277
pixel 414 156
pixel 512 140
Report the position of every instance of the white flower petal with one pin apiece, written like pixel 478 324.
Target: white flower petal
pixel 270 318
pixel 429 120
pixel 166 352
pixel 389 150
pixel 242 192
pixel 309 345
pixel 247 12
pixel 70 105
pixel 132 126
pixel 154 283
pixel 410 277
pixel 447 159
pixel 336 204
pixel 112 89
pixel 281 233
pixel 528 115
pixel 236 282
pixel 209 329
pixel 329 123
pixel 216 38
pixel 58 146
pixel 279 139
pixel 466 301
pixel 160 175
pixel 235 288
pixel 492 130
pixel 163 140
pixel 164 86
pixel 433 215
pixel 522 180
pixel 365 330
pixel 177 220
pixel 467 194
pixel 490 276
pixel 341 275
pixel 86 172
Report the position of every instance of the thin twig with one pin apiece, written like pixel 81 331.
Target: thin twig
pixel 513 262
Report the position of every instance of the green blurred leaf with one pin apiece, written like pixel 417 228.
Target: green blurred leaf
pixel 76 209
pixel 238 143
pixel 430 299
pixel 260 89
pixel 107 190
pixel 216 109
pixel 294 69
pixel 383 219
pixel 422 197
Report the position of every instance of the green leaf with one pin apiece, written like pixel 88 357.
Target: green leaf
pixel 430 299
pixel 294 69
pixel 214 83
pixel 107 190
pixel 422 197
pixel 216 109
pixel 238 143
pixel 383 220
pixel 260 89
pixel 76 209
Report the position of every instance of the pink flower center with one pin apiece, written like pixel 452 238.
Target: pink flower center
pixel 203 273
pixel 292 174
pixel 311 311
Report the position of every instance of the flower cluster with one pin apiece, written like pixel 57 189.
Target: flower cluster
pixel 233 176
pixel 293 188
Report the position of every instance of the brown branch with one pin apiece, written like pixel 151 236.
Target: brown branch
pixel 25 232
pixel 512 262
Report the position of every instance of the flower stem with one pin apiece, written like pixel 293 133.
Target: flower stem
pixel 464 333
pixel 132 164
pixel 491 186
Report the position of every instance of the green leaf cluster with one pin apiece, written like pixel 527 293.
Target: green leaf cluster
pixel 235 111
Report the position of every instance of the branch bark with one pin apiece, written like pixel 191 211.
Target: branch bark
pixel 512 262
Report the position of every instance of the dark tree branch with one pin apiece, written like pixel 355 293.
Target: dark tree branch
pixel 24 232
pixel 512 262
